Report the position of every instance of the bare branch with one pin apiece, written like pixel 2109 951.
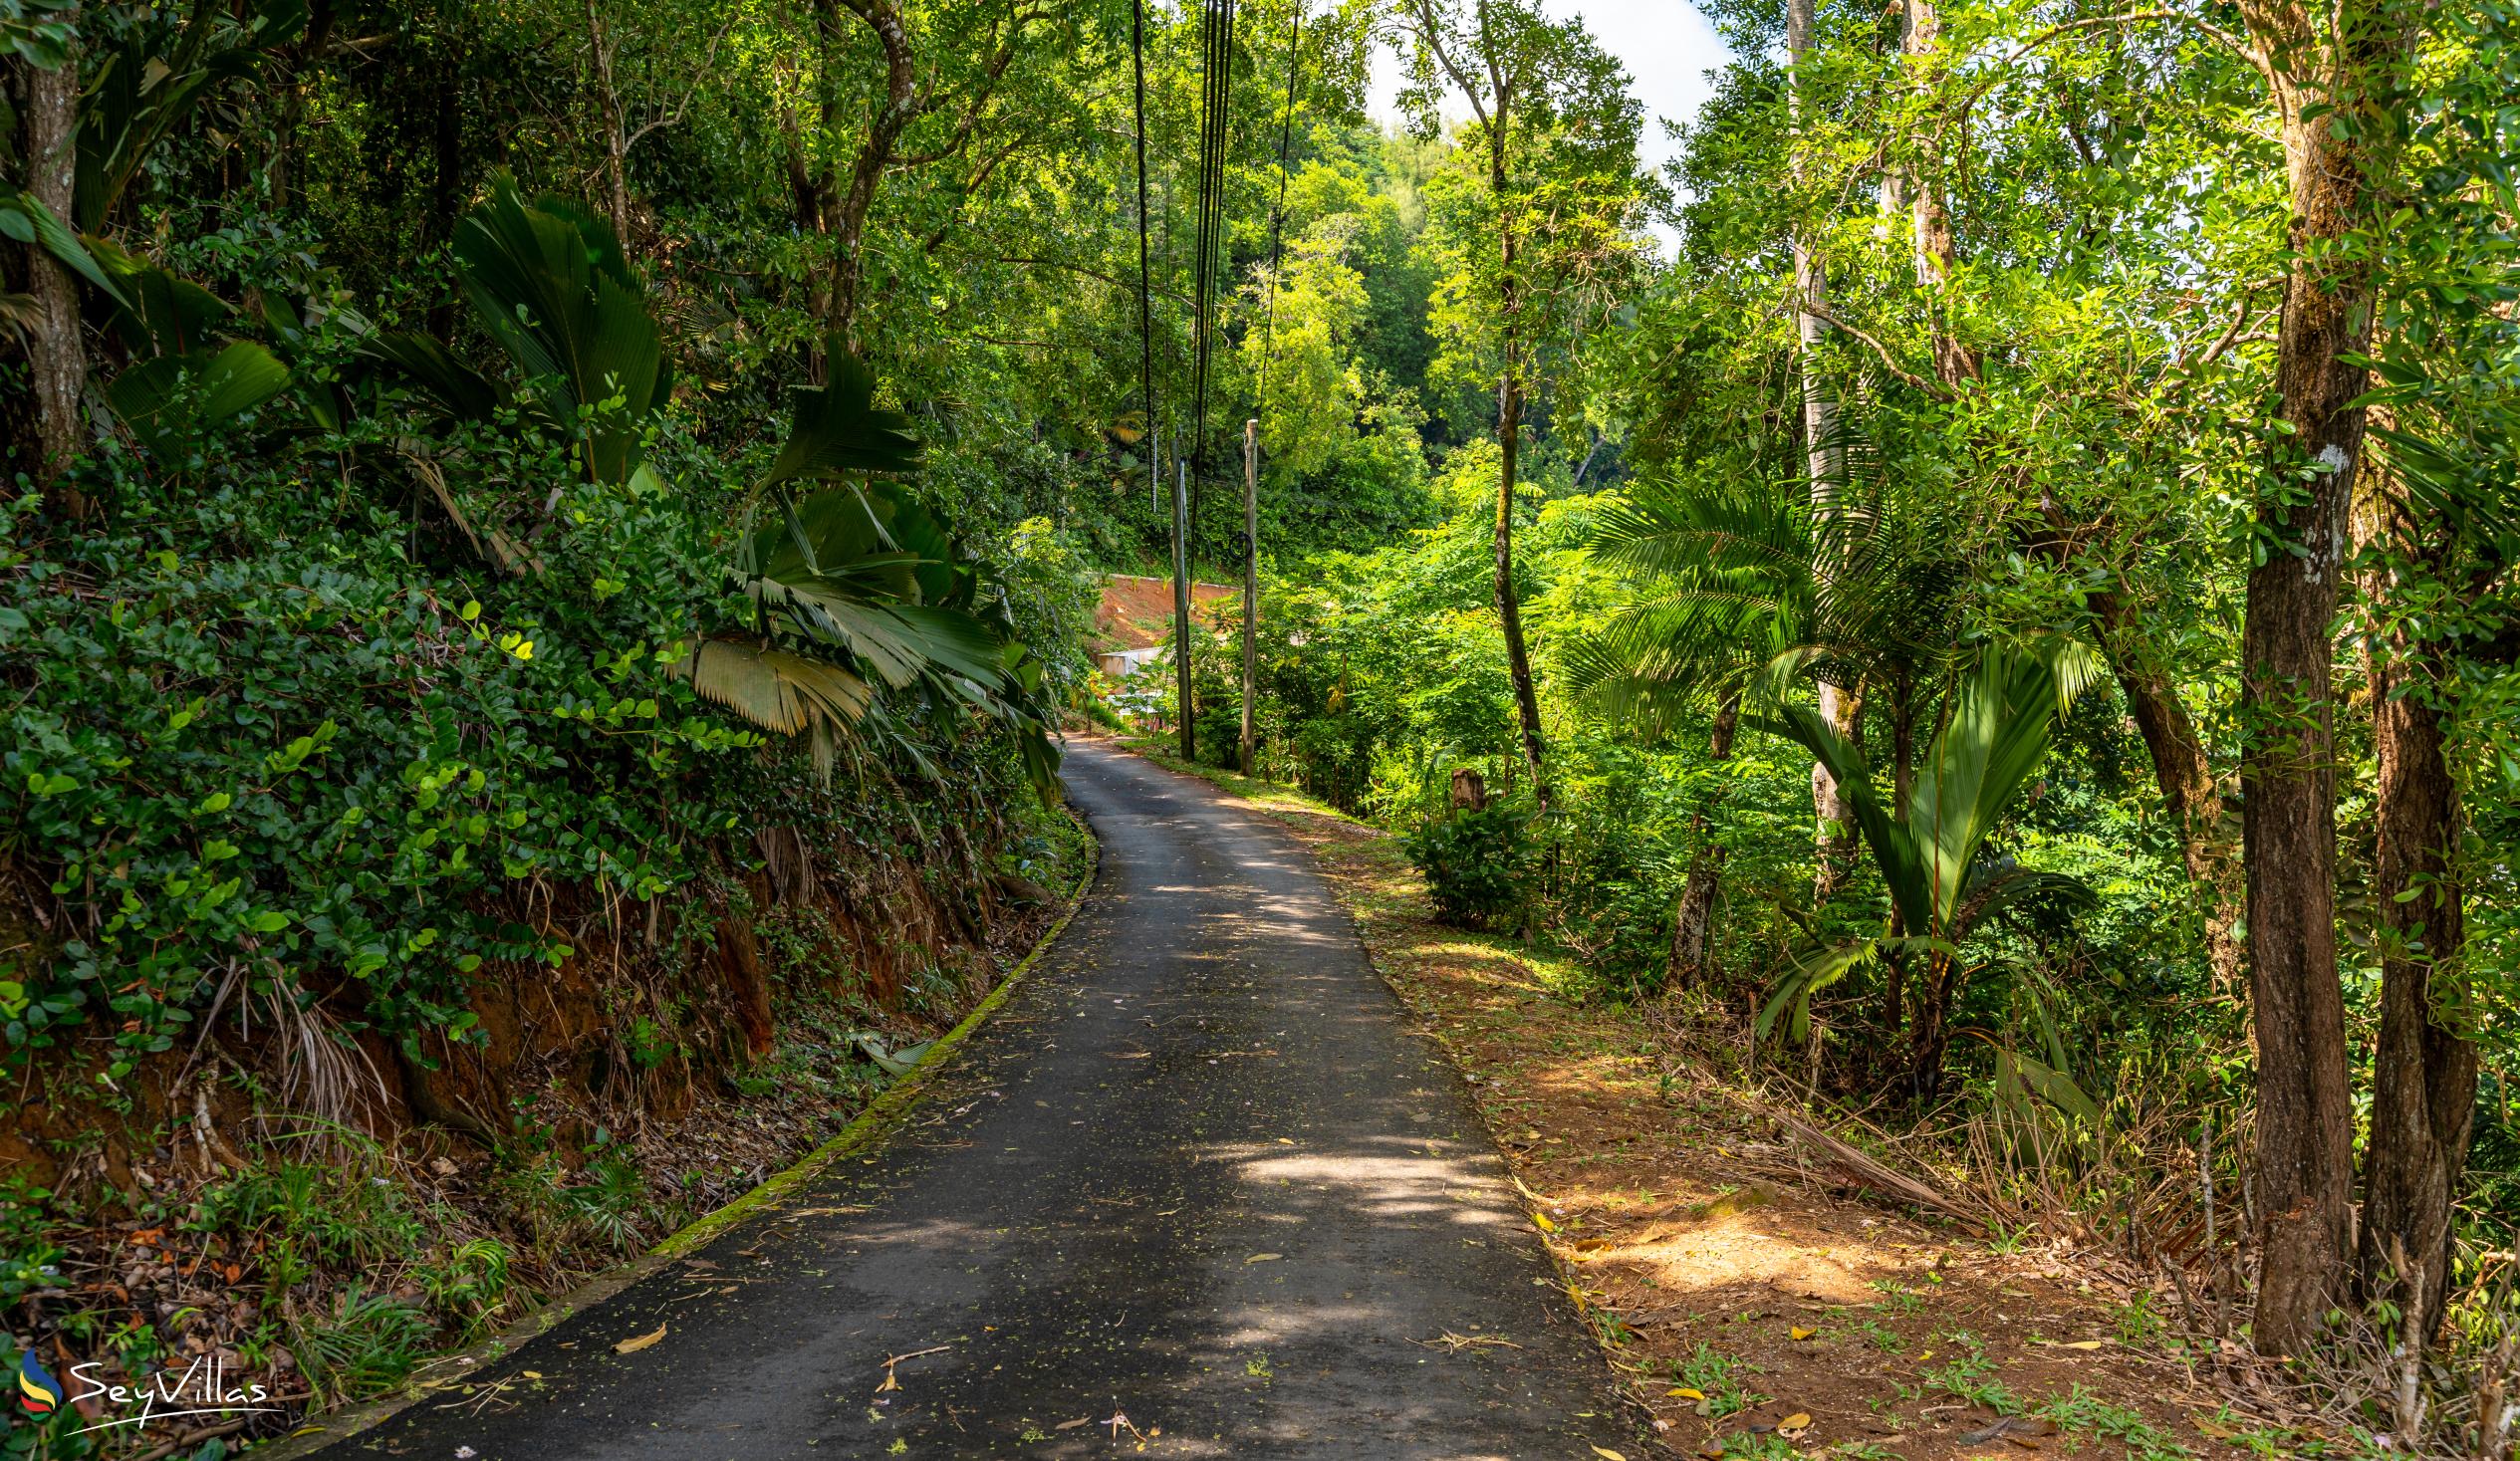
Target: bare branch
pixel 708 61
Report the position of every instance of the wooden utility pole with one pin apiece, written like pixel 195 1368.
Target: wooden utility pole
pixel 1250 583
pixel 1182 601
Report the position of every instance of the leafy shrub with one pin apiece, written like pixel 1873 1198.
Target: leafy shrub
pixel 1475 865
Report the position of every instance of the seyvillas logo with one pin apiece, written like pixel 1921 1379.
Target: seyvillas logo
pixel 202 1388
pixel 38 1392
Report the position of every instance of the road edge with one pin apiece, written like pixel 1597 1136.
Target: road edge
pixel 1623 1387
pixel 881 1116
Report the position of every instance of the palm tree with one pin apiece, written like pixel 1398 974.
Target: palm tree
pixel 854 586
pixel 1744 590
pixel 1930 838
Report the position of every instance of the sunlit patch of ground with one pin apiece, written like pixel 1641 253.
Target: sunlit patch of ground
pixel 1755 1314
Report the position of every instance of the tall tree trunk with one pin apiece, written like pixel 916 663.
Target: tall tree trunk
pixel 1824 458
pixel 57 359
pixel 2305 1114
pixel 609 106
pixel 1937 251
pixel 2423 1075
pixel 290 103
pixel 899 107
pixel 1509 423
pixel 447 181
pixel 1693 926
pixel 2189 794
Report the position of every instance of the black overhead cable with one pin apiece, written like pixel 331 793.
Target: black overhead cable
pixel 1219 91
pixel 1146 287
pixel 1277 219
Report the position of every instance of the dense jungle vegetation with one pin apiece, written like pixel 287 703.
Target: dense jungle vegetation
pixel 1986 584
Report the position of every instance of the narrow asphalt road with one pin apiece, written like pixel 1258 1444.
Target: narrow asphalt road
pixel 1198 1173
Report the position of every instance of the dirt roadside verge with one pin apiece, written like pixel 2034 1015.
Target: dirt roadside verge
pixel 1754 1306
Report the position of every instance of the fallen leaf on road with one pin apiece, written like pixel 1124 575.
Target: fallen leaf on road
pixel 1799 1421
pixel 1683 1393
pixel 637 1342
pixel 1542 1219
pixel 1798 1333
pixel 1073 1424
pixel 1607 1452
pixel 1263 1258
pixel 2083 1344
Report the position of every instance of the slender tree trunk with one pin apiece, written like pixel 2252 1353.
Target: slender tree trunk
pixel 301 54
pixel 1843 708
pixel 2424 1086
pixel 1824 459
pixel 1509 421
pixel 608 105
pixel 57 359
pixel 1693 926
pixel 2190 794
pixel 1931 1039
pixel 2305 1112
pixel 1937 251
pixel 446 182
pixel 899 107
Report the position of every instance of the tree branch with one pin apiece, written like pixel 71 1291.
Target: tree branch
pixel 1431 36
pixel 2238 47
pixel 708 61
pixel 1934 388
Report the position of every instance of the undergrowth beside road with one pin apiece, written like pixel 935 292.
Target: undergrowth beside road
pixel 328 1264
pixel 1756 1306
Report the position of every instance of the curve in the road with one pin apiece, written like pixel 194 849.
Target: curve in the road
pixel 1199 1173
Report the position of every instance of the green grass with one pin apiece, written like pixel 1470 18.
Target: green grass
pixel 1717 1376
pixel 2081 1412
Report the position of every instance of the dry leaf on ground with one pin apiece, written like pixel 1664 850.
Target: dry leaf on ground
pixel 637 1342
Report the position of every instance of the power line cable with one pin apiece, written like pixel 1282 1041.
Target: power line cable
pixel 1212 141
pixel 1145 276
pixel 1277 219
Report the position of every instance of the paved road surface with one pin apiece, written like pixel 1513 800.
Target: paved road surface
pixel 1197 1172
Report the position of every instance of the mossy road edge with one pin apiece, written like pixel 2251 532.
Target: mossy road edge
pixel 879 1121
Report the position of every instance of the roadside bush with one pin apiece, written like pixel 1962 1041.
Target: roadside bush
pixel 1477 864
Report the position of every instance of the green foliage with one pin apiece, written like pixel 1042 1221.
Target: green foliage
pixel 1477 864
